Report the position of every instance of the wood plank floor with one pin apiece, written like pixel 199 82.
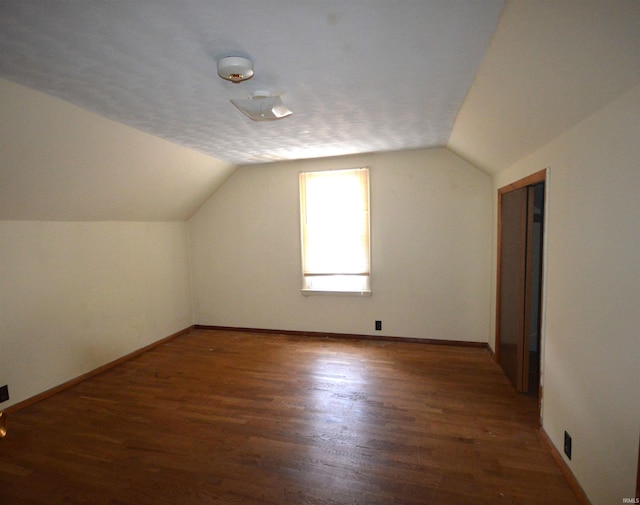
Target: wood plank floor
pixel 217 417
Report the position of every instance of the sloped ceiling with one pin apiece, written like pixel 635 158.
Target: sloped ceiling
pixel 549 65
pixel 491 84
pixel 359 75
pixel 59 162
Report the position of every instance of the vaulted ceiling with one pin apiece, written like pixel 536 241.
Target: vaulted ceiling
pixel 549 65
pixel 492 81
pixel 359 75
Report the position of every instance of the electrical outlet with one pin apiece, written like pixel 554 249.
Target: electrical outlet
pixel 4 393
pixel 378 325
pixel 567 444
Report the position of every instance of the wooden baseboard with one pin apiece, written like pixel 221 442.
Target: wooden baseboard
pixel 564 468
pixel 382 338
pixel 50 392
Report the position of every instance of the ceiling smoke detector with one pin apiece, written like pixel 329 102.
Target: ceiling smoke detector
pixel 262 106
pixel 235 68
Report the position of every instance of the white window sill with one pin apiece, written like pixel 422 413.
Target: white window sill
pixel 314 292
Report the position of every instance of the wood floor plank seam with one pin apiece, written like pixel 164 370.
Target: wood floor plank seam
pixel 76 380
pixel 226 417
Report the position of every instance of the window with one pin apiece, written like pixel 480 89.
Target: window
pixel 334 217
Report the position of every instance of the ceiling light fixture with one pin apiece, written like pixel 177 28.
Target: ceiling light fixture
pixel 262 106
pixel 235 68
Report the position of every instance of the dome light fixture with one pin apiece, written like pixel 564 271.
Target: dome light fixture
pixel 262 106
pixel 235 68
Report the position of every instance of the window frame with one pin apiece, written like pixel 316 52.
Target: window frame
pixel 364 288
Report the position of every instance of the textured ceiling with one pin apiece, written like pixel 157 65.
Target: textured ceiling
pixel 359 75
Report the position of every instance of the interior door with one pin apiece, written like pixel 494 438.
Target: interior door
pixel 513 264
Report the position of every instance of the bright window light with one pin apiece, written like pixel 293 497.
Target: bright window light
pixel 334 215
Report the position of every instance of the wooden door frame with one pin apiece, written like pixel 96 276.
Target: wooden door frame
pixel 530 180
pixel 524 380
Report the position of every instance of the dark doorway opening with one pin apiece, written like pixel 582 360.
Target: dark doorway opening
pixel 519 290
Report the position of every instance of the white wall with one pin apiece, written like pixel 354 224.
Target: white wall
pixel 431 218
pixel 74 296
pixel 93 243
pixel 591 315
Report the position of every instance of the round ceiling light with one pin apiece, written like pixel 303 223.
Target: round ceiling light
pixel 235 68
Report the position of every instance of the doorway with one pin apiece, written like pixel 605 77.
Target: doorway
pixel 519 287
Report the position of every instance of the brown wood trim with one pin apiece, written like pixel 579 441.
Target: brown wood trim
pixel 529 180
pixel 57 389
pixel 534 178
pixel 564 468
pixel 527 292
pixel 496 343
pixel 351 336
pixel 384 393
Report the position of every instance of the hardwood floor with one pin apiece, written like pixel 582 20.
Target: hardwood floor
pixel 215 417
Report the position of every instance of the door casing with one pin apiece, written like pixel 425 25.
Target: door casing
pixel 531 180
